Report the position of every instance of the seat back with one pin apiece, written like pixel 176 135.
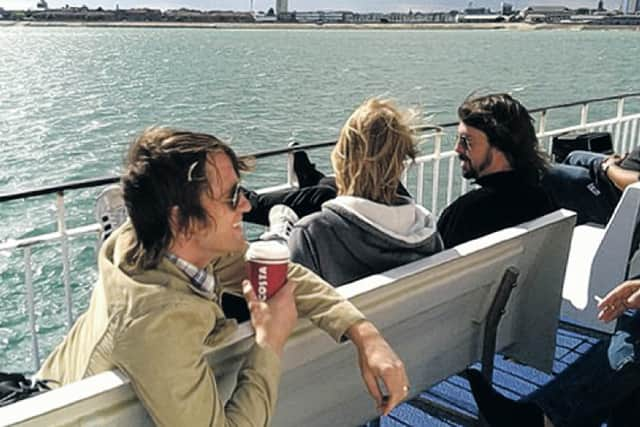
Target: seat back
pixel 431 311
pixel 599 261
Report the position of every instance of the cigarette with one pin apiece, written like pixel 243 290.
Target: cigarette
pixel 598 299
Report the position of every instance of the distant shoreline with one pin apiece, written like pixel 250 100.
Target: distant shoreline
pixel 513 26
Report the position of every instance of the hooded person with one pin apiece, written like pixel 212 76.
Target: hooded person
pixel 369 227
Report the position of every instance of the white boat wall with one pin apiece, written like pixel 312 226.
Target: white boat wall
pixel 432 311
pixel 600 258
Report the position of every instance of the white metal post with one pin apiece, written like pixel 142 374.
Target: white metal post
pixel 435 184
pixel 542 122
pixel 64 245
pixel 28 281
pixel 619 115
pixel 584 114
pixel 420 184
pixel 450 181
pixel 624 139
pixel 291 176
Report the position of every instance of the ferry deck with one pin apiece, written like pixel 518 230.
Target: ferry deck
pixel 439 397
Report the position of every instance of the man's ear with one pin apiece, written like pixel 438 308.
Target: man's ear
pixel 503 160
pixel 174 223
pixel 174 213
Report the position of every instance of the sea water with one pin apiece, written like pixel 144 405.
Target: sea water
pixel 71 100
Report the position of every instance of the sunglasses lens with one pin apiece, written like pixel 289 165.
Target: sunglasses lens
pixel 235 200
pixel 462 140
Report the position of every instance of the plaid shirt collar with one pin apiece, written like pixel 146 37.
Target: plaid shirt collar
pixel 202 283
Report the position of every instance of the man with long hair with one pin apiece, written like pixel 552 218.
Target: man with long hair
pixel 498 149
pixel 156 306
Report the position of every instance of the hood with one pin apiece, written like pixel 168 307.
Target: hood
pixel 120 274
pixel 409 223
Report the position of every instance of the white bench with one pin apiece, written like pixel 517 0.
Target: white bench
pixel 598 261
pixel 431 311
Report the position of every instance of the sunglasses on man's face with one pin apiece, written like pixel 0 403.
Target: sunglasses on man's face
pixel 236 193
pixel 464 142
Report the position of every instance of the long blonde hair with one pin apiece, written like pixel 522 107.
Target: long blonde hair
pixel 374 143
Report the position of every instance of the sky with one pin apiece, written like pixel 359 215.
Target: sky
pixel 353 5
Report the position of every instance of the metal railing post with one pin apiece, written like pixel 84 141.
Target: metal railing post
pixel 291 175
pixel 450 173
pixel 419 196
pixel 619 116
pixel 584 114
pixel 28 282
pixel 634 137
pixel 541 129
pixel 435 183
pixel 64 245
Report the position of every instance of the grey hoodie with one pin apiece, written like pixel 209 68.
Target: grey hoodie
pixel 354 237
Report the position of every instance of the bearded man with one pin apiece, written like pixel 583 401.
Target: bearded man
pixel 498 148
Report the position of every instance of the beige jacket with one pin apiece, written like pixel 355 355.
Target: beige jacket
pixel 153 327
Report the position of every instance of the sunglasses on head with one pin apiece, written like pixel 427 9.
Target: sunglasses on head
pixel 237 191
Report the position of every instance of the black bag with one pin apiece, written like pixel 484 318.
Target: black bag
pixel 15 387
pixel 598 142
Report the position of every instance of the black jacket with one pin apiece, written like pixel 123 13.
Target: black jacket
pixel 505 199
pixel 353 237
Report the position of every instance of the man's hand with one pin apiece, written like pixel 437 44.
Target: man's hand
pixel 378 362
pixel 613 160
pixel 274 319
pixel 623 297
pixel 620 177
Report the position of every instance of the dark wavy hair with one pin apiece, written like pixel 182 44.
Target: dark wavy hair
pixel 159 164
pixel 509 127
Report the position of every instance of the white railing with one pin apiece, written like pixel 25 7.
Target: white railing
pixel 437 145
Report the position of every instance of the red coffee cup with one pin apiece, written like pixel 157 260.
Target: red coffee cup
pixel 267 264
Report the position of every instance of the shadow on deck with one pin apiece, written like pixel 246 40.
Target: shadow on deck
pixel 450 403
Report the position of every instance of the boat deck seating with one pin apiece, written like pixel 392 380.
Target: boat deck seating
pixel 450 402
pixel 599 260
pixel 432 311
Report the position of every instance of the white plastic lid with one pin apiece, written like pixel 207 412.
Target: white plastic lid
pixel 270 250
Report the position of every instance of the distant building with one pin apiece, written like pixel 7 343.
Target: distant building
pixel 619 20
pixel 548 14
pixel 320 16
pixel 402 18
pixel 193 15
pixel 485 15
pixel 480 19
pixel 506 8
pixel 73 14
pixel 633 6
pixel 477 11
pixel 369 18
pixel 263 17
pixel 282 6
pixel 142 14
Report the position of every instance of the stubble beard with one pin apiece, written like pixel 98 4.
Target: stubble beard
pixel 475 172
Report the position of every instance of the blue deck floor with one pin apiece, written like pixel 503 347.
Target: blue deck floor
pixel 442 404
